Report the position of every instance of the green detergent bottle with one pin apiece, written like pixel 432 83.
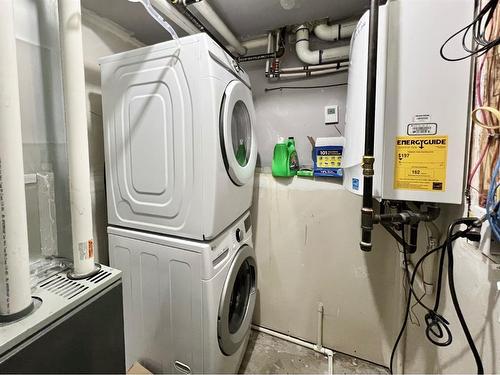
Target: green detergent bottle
pixel 285 160
pixel 241 153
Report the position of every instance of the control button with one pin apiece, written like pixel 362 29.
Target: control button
pixel 239 235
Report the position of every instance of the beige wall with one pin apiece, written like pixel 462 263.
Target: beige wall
pixel 101 38
pixel 306 237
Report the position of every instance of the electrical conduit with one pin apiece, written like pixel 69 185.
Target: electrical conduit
pixel 15 291
pixel 77 138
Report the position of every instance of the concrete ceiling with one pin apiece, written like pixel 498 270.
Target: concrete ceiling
pixel 246 18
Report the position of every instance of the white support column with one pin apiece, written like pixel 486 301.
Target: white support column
pixel 70 25
pixel 15 291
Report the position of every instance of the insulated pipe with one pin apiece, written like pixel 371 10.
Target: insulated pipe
pixel 204 8
pixel 15 291
pixel 367 215
pixel 269 48
pixel 312 68
pixel 169 11
pixel 70 24
pixel 256 43
pixel 332 33
pixel 309 73
pixel 336 54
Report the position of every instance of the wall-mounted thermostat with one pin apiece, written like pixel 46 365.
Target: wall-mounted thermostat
pixel 331 114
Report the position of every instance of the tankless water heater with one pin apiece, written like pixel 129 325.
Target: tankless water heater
pixel 421 107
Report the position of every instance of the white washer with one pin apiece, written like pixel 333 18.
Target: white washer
pixel 188 305
pixel 180 147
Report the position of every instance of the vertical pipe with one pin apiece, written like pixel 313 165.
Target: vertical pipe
pixel 15 292
pixel 269 46
pixel 367 215
pixel 70 27
pixel 319 339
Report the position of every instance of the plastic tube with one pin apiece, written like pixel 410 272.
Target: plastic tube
pixel 15 292
pixel 158 18
pixel 167 9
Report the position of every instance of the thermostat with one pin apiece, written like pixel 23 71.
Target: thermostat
pixel 331 114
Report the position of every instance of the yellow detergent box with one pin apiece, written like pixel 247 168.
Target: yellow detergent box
pixel 327 156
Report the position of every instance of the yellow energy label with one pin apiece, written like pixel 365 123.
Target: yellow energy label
pixel 421 163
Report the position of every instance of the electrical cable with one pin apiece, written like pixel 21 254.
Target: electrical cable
pixel 478 29
pixel 458 310
pixel 281 88
pixel 435 322
pixel 492 206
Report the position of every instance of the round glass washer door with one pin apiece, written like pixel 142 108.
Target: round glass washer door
pixel 238 143
pixel 237 301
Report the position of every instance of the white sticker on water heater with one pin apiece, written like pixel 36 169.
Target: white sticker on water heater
pixel 422 118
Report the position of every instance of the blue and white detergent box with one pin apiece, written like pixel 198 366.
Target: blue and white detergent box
pixel 327 156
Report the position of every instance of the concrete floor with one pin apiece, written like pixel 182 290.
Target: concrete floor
pixel 269 355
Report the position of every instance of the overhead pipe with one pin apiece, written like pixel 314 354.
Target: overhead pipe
pixel 204 8
pixel 367 214
pixel 307 73
pixel 332 33
pixel 169 11
pixel 15 291
pixel 278 52
pixel 320 56
pixel 313 68
pixel 256 43
pixel 70 28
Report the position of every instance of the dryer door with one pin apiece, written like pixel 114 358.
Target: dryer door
pixel 237 137
pixel 237 301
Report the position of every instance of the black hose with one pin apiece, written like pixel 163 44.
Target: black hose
pixel 367 210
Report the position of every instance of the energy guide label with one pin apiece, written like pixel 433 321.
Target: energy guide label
pixel 421 163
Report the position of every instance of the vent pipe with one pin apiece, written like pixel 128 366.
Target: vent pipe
pixel 70 27
pixel 15 291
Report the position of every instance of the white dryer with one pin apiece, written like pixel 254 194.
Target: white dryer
pixel 188 304
pixel 180 147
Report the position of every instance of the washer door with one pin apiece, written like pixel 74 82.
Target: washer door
pixel 238 143
pixel 237 301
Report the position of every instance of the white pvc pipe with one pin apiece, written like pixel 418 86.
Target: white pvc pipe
pixel 204 8
pixel 256 43
pixel 169 11
pixel 332 33
pixel 70 24
pixel 305 344
pixel 309 57
pixel 15 292
pixel 319 338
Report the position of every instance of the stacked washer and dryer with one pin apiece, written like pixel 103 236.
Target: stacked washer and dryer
pixel 180 157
